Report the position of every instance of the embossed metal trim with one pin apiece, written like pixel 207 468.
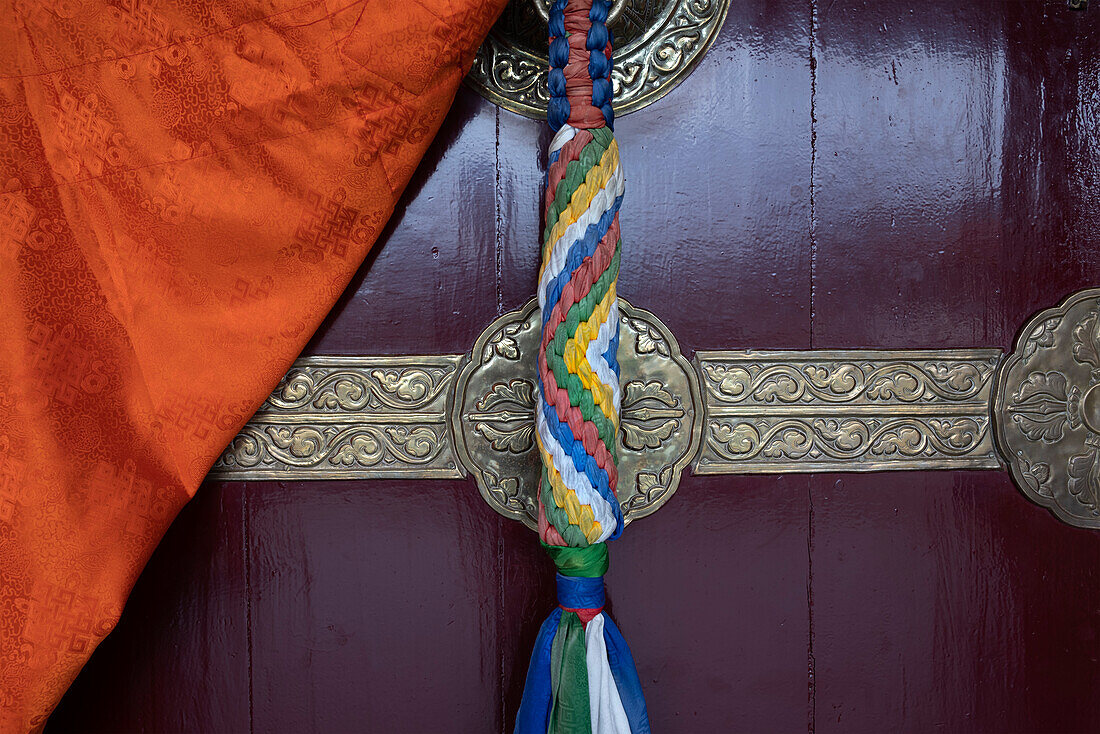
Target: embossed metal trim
pixel 350 418
pixel 658 43
pixel 494 416
pixel 1048 409
pixel 728 412
pixel 846 411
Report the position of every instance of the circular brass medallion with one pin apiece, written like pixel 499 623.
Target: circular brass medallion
pixel 1047 409
pixel 657 44
pixel 493 419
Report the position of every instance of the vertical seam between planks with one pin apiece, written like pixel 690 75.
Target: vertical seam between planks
pixel 247 542
pixel 811 663
pixel 499 245
pixel 499 230
pixel 500 623
pixel 813 168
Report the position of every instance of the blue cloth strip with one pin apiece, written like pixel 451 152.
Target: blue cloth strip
pixel 557 18
pixel 580 592
pixel 612 354
pixel 557 110
pixel 534 707
pixel 599 66
pixel 584 463
pixel 626 677
pixel 583 248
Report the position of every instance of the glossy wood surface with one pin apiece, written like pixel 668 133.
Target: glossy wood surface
pixel 834 174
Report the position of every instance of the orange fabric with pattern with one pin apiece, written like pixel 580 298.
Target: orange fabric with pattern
pixel 186 186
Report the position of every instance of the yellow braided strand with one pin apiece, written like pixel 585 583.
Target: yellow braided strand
pixel 579 514
pixel 594 181
pixel 576 357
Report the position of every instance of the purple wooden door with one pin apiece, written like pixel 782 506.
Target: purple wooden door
pixel 835 174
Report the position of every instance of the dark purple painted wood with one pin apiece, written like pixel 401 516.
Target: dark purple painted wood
pixel 956 150
pixel 179 658
pixel 374 608
pixel 834 174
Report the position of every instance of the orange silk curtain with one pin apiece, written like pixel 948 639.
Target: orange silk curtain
pixel 186 186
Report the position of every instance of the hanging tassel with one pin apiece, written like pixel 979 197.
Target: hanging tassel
pixel 582 677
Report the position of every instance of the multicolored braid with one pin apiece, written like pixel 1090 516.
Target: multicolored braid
pixel 582 677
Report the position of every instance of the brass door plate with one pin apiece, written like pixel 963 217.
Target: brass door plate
pixel 493 419
pixel 1047 404
pixel 1035 412
pixel 657 44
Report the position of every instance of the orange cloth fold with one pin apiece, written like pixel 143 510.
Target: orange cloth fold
pixel 185 189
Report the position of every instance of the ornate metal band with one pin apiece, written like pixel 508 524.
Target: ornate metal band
pixel 1038 412
pixel 847 411
pixel 657 44
pixel 351 418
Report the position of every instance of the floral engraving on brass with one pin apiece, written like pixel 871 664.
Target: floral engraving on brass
pixel 657 44
pixel 729 412
pixel 1048 409
pixel 494 414
pixel 348 418
pixel 846 411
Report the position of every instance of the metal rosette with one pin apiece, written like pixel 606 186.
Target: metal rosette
pixel 657 44
pixel 493 418
pixel 1047 409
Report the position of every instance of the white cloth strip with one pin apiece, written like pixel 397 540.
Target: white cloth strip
pixel 595 354
pixel 564 134
pixel 605 704
pixel 575 480
pixel 601 202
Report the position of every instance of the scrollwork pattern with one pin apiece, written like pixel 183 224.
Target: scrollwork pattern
pixel 1084 474
pixel 1048 409
pixel 503 343
pixel 1041 337
pixel 653 64
pixel 648 339
pixel 1086 341
pixel 494 413
pixel 333 446
pixel 651 489
pixel 808 411
pixel 650 414
pixel 505 415
pixel 505 490
pixel 354 417
pixel 335 389
pixel 846 381
pixel 844 440
pixel 1040 407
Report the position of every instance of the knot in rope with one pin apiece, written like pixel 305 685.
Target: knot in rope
pixel 584 596
pixel 580 578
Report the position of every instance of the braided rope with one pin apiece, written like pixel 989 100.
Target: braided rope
pixel 582 678
pixel 579 395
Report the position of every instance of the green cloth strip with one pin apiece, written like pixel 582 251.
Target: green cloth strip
pixel 579 396
pixel 590 561
pixel 558 517
pixel 575 174
pixel 571 712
